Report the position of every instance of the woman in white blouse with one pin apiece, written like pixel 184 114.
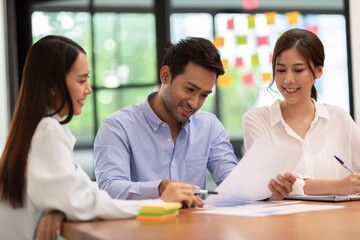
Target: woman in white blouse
pixel 37 173
pixel 320 131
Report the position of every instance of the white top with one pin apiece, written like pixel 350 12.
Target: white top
pixel 53 181
pixel 332 132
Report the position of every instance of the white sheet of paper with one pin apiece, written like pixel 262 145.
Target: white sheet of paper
pixel 250 178
pixel 262 209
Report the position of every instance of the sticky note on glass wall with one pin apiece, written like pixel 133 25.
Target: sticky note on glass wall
pixel 312 28
pixel 262 41
pixel 218 41
pixel 225 63
pixel 293 17
pixel 248 79
pixel 270 17
pixel 251 20
pixel 250 4
pixel 266 77
pixel 224 81
pixel 230 23
pixel 241 40
pixel 255 60
pixel 239 62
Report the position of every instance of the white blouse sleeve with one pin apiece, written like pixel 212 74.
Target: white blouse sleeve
pixel 54 182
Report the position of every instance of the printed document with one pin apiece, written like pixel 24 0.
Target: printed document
pixel 250 178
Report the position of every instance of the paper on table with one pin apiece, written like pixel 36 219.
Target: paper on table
pixel 250 179
pixel 262 209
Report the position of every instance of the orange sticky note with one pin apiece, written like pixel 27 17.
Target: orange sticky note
pixel 218 41
pixel 225 63
pixel 266 77
pixel 262 41
pixel 251 21
pixel 313 29
pixel 270 17
pixel 250 4
pixel 293 17
pixel 239 62
pixel 255 60
pixel 230 23
pixel 224 81
pixel 241 40
pixel 248 79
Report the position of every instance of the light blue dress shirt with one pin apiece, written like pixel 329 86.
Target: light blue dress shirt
pixel 134 152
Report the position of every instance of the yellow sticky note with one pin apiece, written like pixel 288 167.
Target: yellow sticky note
pixel 225 63
pixel 224 81
pixel 293 17
pixel 241 40
pixel 270 17
pixel 218 41
pixel 251 20
pixel 162 206
pixel 266 77
pixel 255 60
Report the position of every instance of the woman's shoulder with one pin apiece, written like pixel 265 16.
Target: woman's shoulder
pixel 262 112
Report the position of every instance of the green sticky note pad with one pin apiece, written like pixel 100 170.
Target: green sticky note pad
pixel 251 20
pixel 241 40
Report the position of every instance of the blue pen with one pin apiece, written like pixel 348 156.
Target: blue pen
pixel 344 165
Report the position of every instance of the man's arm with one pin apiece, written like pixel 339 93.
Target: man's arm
pixel 113 154
pixel 222 159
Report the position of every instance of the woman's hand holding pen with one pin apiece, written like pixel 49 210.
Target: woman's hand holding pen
pixel 282 188
pixel 181 192
pixel 349 185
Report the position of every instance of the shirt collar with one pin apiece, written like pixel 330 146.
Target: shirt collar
pixel 154 121
pixel 276 116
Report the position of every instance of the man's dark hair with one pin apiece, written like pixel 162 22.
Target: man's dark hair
pixel 192 49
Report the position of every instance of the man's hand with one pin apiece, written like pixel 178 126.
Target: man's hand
pixel 279 191
pixel 50 225
pixel 180 192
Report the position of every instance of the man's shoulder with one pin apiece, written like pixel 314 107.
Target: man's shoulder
pixel 203 115
pixel 125 114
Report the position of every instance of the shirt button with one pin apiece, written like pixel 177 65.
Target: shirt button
pixel 155 128
pixel 164 125
pixel 172 164
pixel 169 139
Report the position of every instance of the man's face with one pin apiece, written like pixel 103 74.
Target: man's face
pixel 186 93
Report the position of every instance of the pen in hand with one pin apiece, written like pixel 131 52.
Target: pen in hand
pixel 201 191
pixel 343 164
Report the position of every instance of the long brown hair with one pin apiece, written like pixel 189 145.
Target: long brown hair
pixel 46 66
pixel 307 44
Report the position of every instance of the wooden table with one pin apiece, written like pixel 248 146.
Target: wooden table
pixel 326 224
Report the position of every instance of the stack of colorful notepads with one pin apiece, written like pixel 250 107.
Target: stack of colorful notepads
pixel 159 211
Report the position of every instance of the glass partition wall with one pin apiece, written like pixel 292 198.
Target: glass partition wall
pixel 120 40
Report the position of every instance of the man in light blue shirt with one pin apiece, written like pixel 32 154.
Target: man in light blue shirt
pixel 141 148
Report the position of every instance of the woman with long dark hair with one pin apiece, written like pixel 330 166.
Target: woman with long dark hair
pixel 37 173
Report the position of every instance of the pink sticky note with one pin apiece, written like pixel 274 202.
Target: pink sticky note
pixel 313 29
pixel 248 79
pixel 270 58
pixel 262 41
pixel 230 23
pixel 239 62
pixel 250 4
